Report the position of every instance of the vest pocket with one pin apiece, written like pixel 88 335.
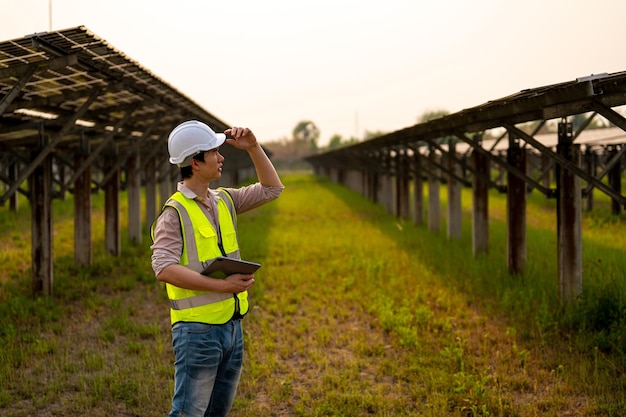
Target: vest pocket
pixel 206 232
pixel 208 240
pixel 229 240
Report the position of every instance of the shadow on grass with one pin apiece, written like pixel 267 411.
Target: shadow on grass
pixel 531 298
pixel 586 335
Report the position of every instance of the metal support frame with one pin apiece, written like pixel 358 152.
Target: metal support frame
pixel 69 123
pixel 433 163
pixel 596 95
pixel 504 164
pixel 446 168
pixel 106 141
pixel 566 164
pixel 17 88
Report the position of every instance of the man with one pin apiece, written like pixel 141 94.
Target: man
pixel 198 224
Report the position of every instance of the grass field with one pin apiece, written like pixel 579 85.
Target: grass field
pixel 354 313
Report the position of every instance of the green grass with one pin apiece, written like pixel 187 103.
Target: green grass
pixel 354 313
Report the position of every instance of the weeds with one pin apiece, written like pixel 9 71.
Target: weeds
pixel 353 313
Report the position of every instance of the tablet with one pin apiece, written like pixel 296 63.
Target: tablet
pixel 221 267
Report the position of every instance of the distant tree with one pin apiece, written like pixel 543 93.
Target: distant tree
pixel 289 153
pixel 286 153
pixel 306 132
pixel 334 142
pixel 337 141
pixel 429 115
pixel 432 114
pixel 374 134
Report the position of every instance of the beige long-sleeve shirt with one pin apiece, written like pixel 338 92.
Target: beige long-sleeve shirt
pixel 168 241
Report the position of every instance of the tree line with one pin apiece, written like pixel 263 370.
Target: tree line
pixel 289 153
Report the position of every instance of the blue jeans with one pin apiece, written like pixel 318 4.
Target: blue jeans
pixel 208 361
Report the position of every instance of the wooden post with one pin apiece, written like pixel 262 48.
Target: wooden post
pixel 418 190
pixel 133 187
pixel 545 163
pixel 455 212
pixel 112 237
pixel 590 159
pixel 615 180
pixel 434 202
pixel 13 176
pixel 480 204
pixel 388 189
pixel 402 185
pixel 516 209
pixel 500 179
pixel 151 198
pixel 365 191
pixel 390 193
pixel 374 182
pixel 569 219
pixel 166 183
pixel 60 170
pixel 41 223
pixel 82 208
pixel 395 189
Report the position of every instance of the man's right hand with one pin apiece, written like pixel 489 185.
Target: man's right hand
pixel 237 283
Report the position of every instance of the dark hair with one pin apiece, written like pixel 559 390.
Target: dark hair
pixel 186 171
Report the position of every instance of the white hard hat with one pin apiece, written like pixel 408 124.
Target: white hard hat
pixel 190 138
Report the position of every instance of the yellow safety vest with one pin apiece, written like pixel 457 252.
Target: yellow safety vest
pixel 201 244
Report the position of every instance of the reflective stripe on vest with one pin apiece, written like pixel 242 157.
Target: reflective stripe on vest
pixel 200 245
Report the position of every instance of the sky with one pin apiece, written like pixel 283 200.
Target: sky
pixel 348 66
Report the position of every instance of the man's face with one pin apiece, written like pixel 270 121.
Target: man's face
pixel 211 167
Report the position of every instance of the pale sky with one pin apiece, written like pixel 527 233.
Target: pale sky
pixel 348 66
